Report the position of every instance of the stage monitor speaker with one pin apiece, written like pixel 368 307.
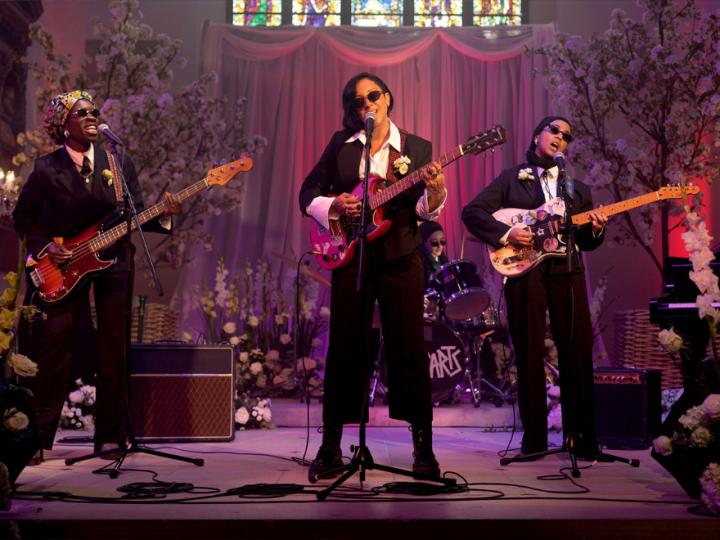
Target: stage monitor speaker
pixel 627 407
pixel 182 393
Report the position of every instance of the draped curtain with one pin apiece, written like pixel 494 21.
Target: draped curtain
pixel 447 83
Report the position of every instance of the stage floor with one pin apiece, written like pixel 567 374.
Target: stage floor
pixel 610 500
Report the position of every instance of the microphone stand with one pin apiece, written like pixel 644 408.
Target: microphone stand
pixel 362 459
pixel 571 257
pixel 133 448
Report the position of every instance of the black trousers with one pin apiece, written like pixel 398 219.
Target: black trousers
pixel 528 297
pixel 50 345
pixel 398 287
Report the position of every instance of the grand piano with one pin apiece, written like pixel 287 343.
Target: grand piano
pixel 676 307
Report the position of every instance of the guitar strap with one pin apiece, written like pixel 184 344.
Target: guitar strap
pixel 116 176
pixel 395 154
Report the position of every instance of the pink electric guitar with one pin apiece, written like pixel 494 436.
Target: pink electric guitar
pixel 336 246
pixel 55 282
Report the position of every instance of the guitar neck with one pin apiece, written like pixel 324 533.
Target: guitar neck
pixel 111 236
pixel 399 187
pixel 618 207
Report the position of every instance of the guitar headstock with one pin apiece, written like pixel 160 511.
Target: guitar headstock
pixel 222 174
pixel 485 140
pixel 676 191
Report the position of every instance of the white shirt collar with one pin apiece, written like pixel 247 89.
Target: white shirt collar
pixel 552 173
pixel 77 157
pixel 393 140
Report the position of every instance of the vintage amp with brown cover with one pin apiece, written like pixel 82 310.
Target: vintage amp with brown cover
pixel 182 392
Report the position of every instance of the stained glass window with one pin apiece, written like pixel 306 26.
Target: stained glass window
pixel 316 12
pixel 256 12
pixel 430 13
pixel 422 13
pixel 377 12
pixel 497 12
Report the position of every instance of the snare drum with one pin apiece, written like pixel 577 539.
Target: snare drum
pixel 460 288
pixel 448 360
pixel 487 321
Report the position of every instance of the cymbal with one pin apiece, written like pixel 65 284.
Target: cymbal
pixel 304 270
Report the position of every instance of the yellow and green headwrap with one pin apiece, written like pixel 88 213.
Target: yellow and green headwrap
pixel 58 111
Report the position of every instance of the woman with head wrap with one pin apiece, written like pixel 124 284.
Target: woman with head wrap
pixel 69 190
pixel 545 287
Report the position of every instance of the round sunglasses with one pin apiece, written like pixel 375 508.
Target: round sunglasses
pixel 82 113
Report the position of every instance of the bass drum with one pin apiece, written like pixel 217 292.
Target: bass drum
pixel 448 360
pixel 460 288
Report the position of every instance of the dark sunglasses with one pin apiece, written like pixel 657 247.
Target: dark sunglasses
pixel 82 113
pixel 437 243
pixel 372 97
pixel 556 130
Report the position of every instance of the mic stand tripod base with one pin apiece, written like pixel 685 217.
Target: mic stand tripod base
pixel 134 448
pixel 362 461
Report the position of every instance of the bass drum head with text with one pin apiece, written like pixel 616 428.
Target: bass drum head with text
pixel 448 360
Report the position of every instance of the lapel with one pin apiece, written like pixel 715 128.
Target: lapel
pixel 531 188
pixel 348 166
pixel 66 173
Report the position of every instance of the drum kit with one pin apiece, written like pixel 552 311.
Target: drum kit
pixel 459 316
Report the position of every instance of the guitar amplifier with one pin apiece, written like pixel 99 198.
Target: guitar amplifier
pixel 627 407
pixel 182 393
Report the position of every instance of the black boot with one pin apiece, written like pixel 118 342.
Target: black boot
pixel 424 461
pixel 328 461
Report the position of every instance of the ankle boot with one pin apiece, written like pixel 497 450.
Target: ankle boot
pixel 328 461
pixel 424 461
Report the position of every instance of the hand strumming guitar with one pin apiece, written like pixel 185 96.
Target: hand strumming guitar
pixel 345 204
pixel 58 253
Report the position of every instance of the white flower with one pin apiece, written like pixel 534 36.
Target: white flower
pixel 253 321
pixel 244 357
pixel 692 418
pixel 255 368
pixel 279 320
pixel 22 365
pixel 711 406
pixel 309 363
pixel 401 164
pixel 285 339
pixel 76 397
pixel 267 414
pixel 187 337
pixel 670 341
pixel 234 341
pixel 229 327
pixel 701 436
pixel 324 312
pixel 663 445
pixel 272 355
pixel 242 416
pixel 525 174
pixel 16 420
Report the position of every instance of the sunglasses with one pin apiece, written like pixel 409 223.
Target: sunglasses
pixel 372 97
pixel 556 130
pixel 437 243
pixel 82 113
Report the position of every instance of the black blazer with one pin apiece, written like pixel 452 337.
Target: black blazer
pixel 507 191
pixel 55 200
pixel 337 172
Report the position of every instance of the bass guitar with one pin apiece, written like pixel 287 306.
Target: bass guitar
pixel 546 226
pixel 55 282
pixel 335 246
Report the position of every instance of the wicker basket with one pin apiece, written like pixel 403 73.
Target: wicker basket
pixel 160 323
pixel 637 346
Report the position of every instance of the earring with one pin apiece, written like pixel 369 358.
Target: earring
pixel 66 133
pixel 536 140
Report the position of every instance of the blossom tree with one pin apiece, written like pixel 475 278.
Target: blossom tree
pixel 657 82
pixel 173 137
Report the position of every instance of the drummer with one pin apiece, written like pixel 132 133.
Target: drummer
pixel 432 250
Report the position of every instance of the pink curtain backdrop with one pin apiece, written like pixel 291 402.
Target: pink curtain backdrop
pixel 447 83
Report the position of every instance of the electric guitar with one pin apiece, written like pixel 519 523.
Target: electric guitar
pixel 335 246
pixel 546 226
pixel 55 282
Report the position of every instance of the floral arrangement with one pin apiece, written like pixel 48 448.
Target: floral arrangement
pixel 78 411
pixel 253 413
pixel 250 311
pixel 695 437
pixel 526 174
pixel 173 137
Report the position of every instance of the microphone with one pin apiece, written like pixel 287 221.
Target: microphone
pixel 369 124
pixel 559 159
pixel 105 130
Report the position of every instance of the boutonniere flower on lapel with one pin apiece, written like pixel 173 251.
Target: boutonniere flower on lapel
pixel 108 176
pixel 401 164
pixel 525 174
